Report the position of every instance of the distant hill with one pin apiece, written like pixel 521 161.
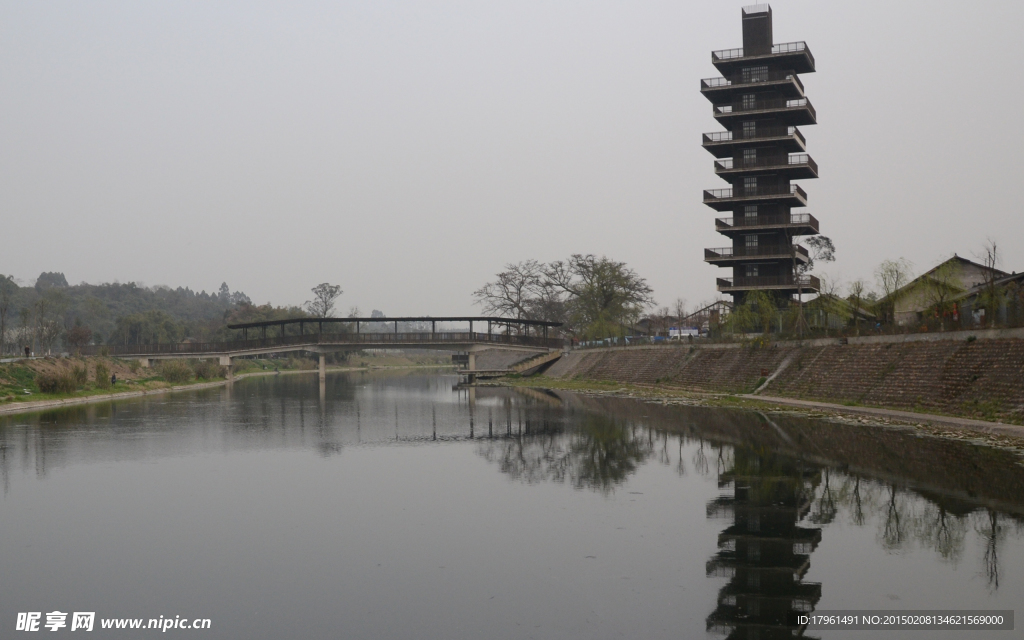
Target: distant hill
pixel 52 315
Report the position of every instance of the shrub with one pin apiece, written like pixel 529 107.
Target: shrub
pixel 208 370
pixel 133 366
pixel 102 376
pixel 80 375
pixel 176 371
pixel 63 382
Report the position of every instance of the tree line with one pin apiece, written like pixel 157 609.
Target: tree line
pixel 594 297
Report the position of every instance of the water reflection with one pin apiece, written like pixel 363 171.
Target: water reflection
pixel 784 483
pixel 597 453
pixel 764 552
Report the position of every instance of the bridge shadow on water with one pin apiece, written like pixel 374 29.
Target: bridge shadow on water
pixel 783 479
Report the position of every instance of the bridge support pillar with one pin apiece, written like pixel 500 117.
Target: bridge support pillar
pixel 323 367
pixel 471 364
pixel 145 362
pixel 225 361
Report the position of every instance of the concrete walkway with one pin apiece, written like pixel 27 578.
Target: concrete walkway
pixel 999 428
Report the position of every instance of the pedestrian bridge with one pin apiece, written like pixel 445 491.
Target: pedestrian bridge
pixel 326 335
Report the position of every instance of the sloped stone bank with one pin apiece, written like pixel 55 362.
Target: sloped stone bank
pixel 978 378
pixel 735 370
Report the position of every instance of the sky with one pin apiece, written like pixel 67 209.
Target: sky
pixel 408 150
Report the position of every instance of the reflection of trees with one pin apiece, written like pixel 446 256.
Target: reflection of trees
pixel 942 531
pixel 599 454
pixel 892 533
pixel 825 507
pixel 700 460
pixel 988 527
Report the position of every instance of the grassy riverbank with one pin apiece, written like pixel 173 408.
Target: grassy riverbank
pixel 951 427
pixel 31 382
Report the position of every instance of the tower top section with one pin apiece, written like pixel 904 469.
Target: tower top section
pixel 757 30
pixel 759 46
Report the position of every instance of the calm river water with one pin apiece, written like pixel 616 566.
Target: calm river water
pixel 397 506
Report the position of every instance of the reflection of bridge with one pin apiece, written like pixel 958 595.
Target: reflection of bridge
pixel 346 334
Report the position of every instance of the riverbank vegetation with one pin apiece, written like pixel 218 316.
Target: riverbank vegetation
pixel 57 378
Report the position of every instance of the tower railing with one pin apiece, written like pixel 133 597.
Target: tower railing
pixel 802 219
pixel 796 159
pixel 766 105
pixel 755 252
pixel 723 194
pixel 762 133
pixel 765 282
pixel 772 75
pixel 777 49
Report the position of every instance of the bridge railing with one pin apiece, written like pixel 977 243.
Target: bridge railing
pixel 373 340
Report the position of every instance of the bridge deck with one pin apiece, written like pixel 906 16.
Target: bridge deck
pixel 453 341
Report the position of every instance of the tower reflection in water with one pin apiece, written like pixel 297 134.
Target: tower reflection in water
pixel 764 552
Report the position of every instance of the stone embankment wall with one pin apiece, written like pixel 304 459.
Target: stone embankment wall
pixel 981 378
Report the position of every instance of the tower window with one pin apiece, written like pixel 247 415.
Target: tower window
pixel 749 100
pixel 750 241
pixel 755 74
pixel 750 211
pixel 751 270
pixel 749 129
pixel 749 156
pixel 750 186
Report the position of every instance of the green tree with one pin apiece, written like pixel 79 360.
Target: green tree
pixel 758 312
pixel 151 327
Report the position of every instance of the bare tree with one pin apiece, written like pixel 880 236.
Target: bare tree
pixel 857 291
pixel 590 295
pixel 515 291
pixel 602 294
pixel 7 289
pixel 941 285
pixel 324 296
pixel 679 308
pixel 48 311
pixel 829 303
pixel 990 297
pixel 892 276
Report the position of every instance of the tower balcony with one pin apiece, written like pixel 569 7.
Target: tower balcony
pixel 798 166
pixel 793 112
pixel 790 55
pixel 728 199
pixel 726 256
pixel 806 284
pixel 784 82
pixel 725 144
pixel 797 224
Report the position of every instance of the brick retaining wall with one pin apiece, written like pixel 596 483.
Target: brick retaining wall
pixel 980 379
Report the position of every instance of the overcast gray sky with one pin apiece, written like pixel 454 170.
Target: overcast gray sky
pixel 407 150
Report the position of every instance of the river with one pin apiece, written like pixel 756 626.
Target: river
pixel 398 505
